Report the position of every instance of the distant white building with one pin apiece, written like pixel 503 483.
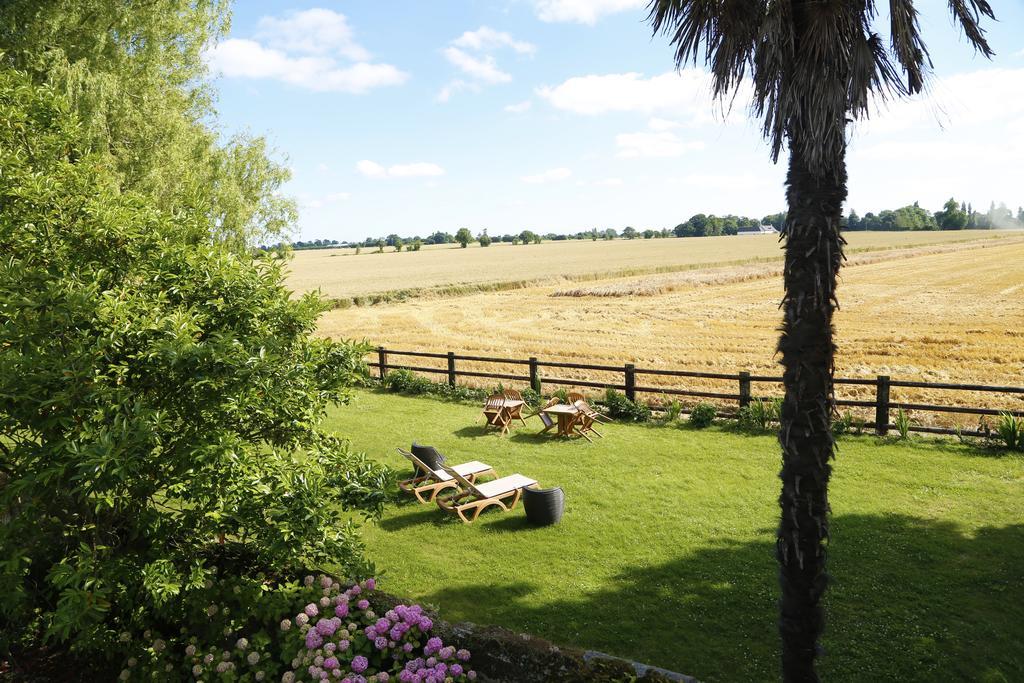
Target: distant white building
pixel 758 230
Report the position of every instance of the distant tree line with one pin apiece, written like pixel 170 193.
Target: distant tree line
pixel 952 216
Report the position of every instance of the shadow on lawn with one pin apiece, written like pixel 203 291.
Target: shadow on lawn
pixel 911 599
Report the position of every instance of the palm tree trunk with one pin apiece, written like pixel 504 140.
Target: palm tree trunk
pixel 813 256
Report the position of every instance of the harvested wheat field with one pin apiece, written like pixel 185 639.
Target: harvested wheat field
pixel 447 269
pixel 949 313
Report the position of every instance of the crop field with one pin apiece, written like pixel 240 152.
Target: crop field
pixel 341 274
pixel 948 313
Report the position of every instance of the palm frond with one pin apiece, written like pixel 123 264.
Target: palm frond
pixel 968 14
pixel 907 45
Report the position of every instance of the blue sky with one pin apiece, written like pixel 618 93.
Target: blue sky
pixel 562 115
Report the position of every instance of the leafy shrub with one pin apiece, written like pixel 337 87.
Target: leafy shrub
pixel 702 415
pixel 622 408
pixel 759 414
pixel 562 394
pixel 1010 430
pixel 243 632
pixel 531 397
pixel 672 409
pixel 406 382
pixel 842 424
pixel 160 401
pixel 902 424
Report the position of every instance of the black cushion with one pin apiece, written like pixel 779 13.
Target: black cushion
pixel 430 456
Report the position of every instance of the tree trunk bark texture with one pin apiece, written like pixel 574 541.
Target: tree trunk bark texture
pixel 813 256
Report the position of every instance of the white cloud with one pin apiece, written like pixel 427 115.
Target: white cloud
pixel 609 182
pixel 467 53
pixel 322 167
pixel 486 38
pixel 1019 53
pixel 314 31
pixel 418 169
pixel 662 124
pixel 551 175
pixel 313 49
pixel 968 99
pixel 686 94
pixel 518 107
pixel 582 11
pixel 657 144
pixel 452 87
pixel 308 202
pixel 481 68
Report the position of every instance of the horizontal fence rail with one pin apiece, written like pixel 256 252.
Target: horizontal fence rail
pixel 882 403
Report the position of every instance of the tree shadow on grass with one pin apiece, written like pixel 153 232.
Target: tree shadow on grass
pixel 911 600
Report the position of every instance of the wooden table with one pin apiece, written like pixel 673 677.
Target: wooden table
pixel 506 410
pixel 566 415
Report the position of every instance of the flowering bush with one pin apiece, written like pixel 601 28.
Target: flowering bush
pixel 245 635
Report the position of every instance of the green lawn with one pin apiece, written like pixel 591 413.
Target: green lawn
pixel 665 553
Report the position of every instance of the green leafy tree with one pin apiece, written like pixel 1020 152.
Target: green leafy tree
pixel 529 237
pixel 464 237
pixel 160 399
pixel 484 239
pixel 610 234
pixel 417 244
pixel 814 67
pixel 629 233
pixel 951 217
pixel 399 244
pixel 134 74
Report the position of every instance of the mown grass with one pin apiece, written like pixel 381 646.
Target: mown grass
pixel 665 553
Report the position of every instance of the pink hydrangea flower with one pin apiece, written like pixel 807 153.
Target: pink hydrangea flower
pixel 311 610
pixel 371 583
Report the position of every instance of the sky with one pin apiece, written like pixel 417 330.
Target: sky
pixel 565 115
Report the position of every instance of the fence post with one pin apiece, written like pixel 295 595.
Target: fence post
pixel 382 359
pixel 451 368
pixel 534 375
pixel 744 389
pixel 882 405
pixel 630 371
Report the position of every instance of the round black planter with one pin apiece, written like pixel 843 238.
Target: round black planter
pixel 544 506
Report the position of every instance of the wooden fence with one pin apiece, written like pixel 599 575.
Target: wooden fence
pixel 882 405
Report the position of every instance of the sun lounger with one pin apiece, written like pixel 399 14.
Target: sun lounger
pixel 429 482
pixel 474 498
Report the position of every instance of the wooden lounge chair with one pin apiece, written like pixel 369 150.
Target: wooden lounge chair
pixel 430 482
pixel 515 412
pixel 575 396
pixel 495 413
pixel 474 498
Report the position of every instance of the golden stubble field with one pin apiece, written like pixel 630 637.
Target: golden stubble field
pixel 340 273
pixel 952 313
